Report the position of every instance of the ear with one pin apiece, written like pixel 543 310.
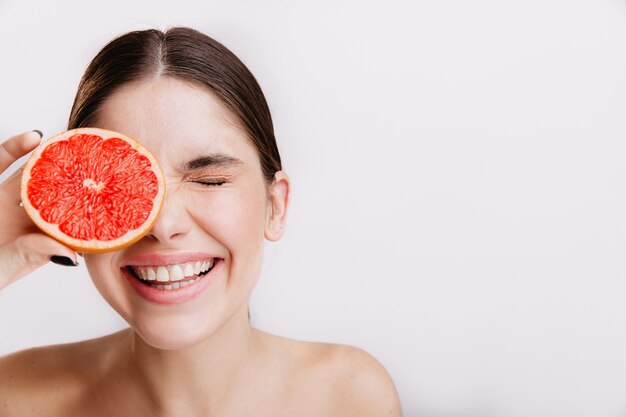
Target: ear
pixel 278 202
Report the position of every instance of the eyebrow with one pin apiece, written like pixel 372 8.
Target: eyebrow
pixel 211 160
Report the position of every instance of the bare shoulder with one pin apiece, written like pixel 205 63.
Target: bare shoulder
pixel 348 381
pixel 47 380
pixel 361 384
pixel 31 381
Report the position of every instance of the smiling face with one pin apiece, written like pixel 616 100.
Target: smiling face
pixel 217 211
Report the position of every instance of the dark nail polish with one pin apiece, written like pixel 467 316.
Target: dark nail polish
pixel 39 132
pixel 62 260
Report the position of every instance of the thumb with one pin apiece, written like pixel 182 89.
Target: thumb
pixel 29 252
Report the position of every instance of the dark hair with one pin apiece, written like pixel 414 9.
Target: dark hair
pixel 186 54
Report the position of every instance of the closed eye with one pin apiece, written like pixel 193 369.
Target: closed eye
pixel 211 183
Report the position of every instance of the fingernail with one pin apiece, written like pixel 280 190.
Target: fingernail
pixel 39 132
pixel 63 260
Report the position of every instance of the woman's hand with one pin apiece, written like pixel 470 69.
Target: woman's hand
pixel 23 248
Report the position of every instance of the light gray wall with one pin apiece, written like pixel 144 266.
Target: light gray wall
pixel 459 204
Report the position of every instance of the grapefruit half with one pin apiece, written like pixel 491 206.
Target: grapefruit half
pixel 93 190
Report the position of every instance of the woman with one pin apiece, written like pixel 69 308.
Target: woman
pixel 202 114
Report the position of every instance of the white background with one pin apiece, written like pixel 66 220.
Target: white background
pixel 459 174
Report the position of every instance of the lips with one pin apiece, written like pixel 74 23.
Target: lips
pixel 170 279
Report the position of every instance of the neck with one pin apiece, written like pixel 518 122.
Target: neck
pixel 198 379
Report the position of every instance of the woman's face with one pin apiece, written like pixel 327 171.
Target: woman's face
pixel 217 211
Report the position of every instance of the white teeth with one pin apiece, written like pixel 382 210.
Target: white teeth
pixel 176 273
pixel 176 285
pixel 173 273
pixel 151 274
pixel 162 274
pixel 189 270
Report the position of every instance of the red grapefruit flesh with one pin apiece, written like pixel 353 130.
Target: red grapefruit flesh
pixel 92 189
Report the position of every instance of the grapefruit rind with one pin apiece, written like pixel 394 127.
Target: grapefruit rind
pixel 92 245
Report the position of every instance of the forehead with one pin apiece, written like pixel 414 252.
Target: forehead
pixel 175 120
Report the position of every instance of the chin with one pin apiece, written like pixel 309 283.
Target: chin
pixel 177 332
pixel 160 334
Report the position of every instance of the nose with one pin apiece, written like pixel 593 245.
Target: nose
pixel 172 223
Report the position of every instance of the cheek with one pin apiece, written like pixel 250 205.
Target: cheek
pixel 234 217
pixel 99 269
pixel 106 279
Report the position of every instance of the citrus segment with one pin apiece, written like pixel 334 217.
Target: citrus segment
pixel 92 189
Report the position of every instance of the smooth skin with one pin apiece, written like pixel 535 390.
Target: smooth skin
pixel 201 357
